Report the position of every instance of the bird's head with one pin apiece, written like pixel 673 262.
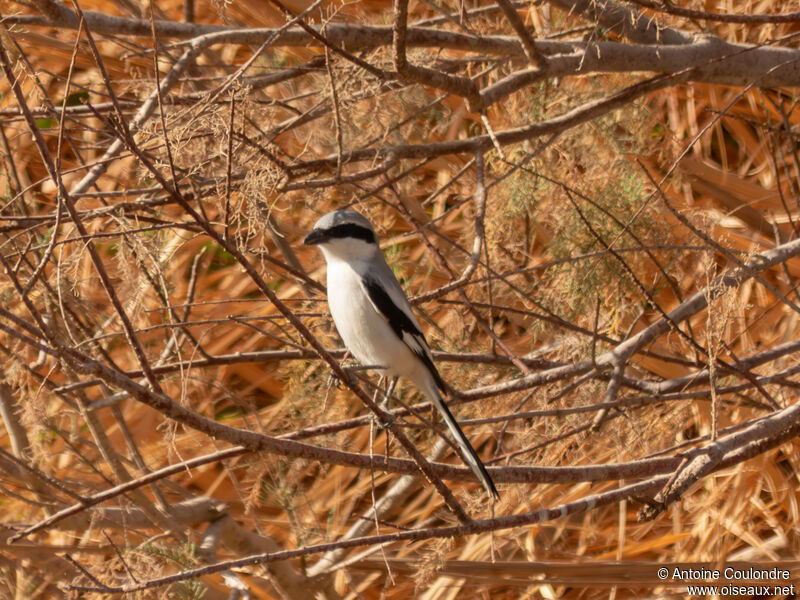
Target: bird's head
pixel 344 234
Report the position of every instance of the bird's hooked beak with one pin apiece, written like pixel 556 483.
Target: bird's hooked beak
pixel 317 236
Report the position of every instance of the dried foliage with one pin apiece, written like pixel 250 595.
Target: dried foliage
pixel 593 205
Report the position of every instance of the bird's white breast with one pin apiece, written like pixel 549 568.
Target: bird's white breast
pixel 365 332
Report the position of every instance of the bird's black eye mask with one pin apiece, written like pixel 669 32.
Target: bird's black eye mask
pixel 346 230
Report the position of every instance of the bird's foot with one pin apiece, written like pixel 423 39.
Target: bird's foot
pixel 335 381
pixel 388 393
pixel 384 423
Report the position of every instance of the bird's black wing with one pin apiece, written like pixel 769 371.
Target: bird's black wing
pixel 398 315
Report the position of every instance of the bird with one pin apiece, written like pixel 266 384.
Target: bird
pixel 375 320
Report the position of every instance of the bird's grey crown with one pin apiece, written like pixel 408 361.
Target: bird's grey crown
pixel 341 224
pixel 342 217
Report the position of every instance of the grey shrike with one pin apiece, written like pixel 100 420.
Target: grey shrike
pixel 375 320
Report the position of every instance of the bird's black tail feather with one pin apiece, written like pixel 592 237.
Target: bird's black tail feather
pixel 468 453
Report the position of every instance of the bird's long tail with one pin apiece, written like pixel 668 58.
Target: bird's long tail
pixel 467 451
